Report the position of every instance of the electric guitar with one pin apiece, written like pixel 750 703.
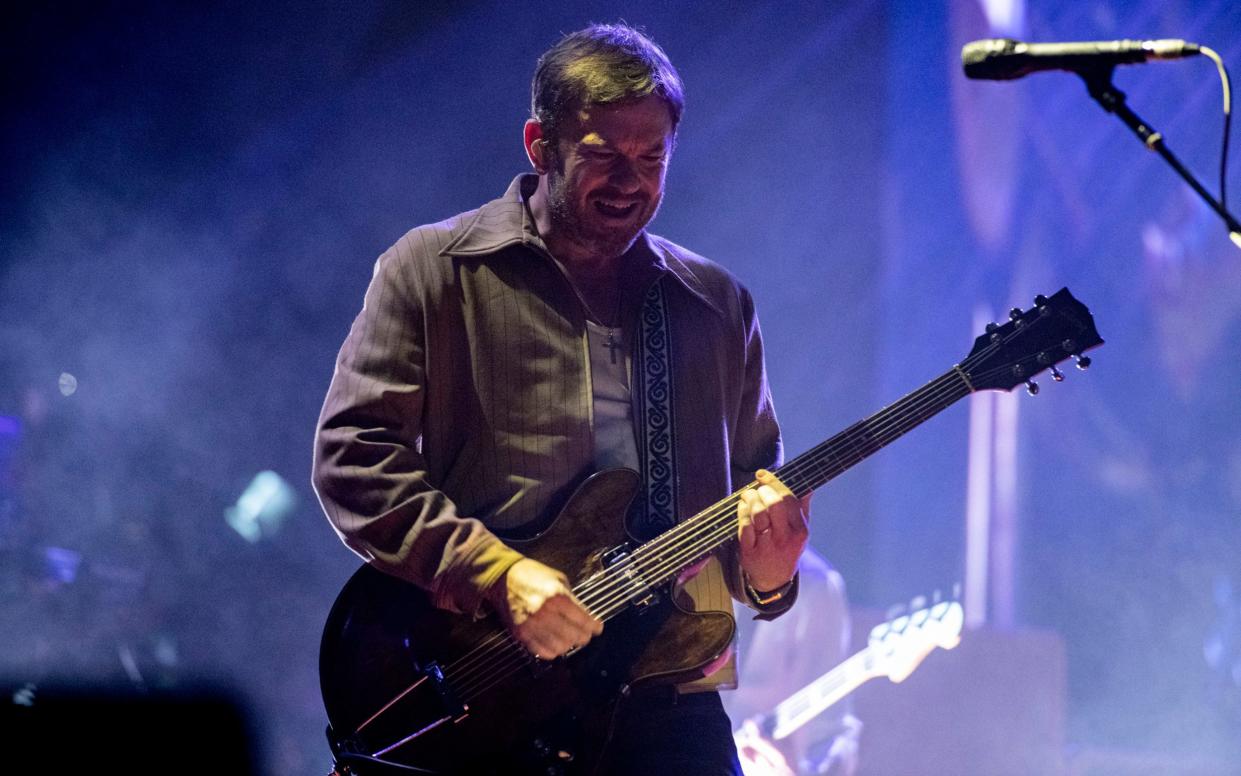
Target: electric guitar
pixel 894 649
pixel 406 683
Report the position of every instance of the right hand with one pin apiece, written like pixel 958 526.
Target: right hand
pixel 540 610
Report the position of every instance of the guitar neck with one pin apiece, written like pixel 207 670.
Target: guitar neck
pixel 659 560
pixel 823 693
pixel 822 463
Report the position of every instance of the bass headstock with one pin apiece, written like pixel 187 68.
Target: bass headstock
pixel 899 645
pixel 1054 330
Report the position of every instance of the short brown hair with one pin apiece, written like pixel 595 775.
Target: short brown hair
pixel 604 63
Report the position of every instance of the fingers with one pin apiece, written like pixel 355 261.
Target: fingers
pixel 770 511
pixel 788 513
pixel 542 612
pixel 573 615
pixel 774 529
pixel 747 534
pixel 559 626
pixel 771 481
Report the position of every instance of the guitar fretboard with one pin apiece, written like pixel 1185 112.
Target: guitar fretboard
pixel 810 701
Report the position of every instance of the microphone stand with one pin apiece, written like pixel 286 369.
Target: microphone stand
pixel 1099 84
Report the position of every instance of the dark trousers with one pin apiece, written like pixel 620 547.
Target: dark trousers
pixel 661 733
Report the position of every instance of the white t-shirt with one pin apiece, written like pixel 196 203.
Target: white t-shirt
pixel 609 379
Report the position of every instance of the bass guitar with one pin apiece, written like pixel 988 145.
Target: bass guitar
pixel 894 649
pixel 413 689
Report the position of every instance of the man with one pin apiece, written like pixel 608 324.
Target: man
pixel 779 658
pixel 504 354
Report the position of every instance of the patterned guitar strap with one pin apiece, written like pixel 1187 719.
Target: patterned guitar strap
pixel 656 505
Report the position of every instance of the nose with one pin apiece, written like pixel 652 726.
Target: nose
pixel 623 176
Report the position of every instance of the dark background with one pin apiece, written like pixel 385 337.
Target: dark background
pixel 193 199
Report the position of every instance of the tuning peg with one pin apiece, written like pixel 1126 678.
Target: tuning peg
pixel 1014 313
pixel 1083 362
pixel 1057 375
pixel 1031 387
pixel 1040 300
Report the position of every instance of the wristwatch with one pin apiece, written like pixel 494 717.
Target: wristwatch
pixel 770 596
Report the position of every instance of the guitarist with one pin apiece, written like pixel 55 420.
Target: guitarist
pixel 504 354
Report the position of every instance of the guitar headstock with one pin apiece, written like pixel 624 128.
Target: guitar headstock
pixel 898 646
pixel 1055 329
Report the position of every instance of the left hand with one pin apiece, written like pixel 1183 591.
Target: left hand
pixel 773 527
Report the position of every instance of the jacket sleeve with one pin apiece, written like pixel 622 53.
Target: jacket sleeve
pixel 756 444
pixel 369 472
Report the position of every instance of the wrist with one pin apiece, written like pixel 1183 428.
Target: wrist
pixel 764 597
pixel 495 593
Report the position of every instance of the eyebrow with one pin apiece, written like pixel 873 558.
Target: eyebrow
pixel 595 140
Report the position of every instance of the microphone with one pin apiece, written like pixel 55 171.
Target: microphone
pixel 1003 59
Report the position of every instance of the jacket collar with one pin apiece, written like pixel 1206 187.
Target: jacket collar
pixel 506 221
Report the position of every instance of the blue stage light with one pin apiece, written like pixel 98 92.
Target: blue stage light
pixel 262 507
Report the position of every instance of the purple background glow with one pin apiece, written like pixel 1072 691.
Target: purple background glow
pixel 193 200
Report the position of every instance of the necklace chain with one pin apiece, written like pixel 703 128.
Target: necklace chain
pixel 611 343
pixel 591 311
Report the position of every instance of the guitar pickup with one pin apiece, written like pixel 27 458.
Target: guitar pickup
pixel 640 593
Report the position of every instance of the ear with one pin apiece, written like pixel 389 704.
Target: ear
pixel 536 145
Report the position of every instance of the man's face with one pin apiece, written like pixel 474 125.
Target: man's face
pixel 606 176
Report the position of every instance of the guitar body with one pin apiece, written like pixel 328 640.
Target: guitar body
pixel 459 696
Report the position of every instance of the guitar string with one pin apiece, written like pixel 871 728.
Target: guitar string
pixel 483 656
pixel 814 460
pixel 916 404
pixel 931 391
pixel 699 544
pixel 705 533
pixel 708 532
pixel 801 702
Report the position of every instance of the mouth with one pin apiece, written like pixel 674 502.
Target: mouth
pixel 615 209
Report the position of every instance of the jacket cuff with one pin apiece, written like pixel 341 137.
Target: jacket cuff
pixel 776 608
pixel 467 581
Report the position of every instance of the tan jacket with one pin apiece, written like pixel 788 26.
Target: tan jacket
pixel 461 402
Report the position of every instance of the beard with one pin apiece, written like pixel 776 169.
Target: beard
pixel 582 224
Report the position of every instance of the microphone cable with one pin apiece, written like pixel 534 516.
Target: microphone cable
pixel 1226 84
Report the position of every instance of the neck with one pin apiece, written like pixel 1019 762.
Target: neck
pixel 582 261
